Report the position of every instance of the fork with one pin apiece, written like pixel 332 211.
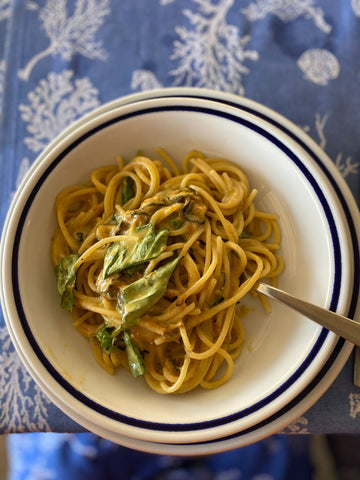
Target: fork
pixel 342 326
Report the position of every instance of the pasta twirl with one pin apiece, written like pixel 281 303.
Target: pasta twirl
pixel 153 262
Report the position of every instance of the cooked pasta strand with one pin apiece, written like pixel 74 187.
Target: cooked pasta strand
pixel 122 231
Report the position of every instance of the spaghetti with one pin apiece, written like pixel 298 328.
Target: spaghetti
pixel 152 262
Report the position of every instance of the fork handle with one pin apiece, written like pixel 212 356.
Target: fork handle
pixel 342 326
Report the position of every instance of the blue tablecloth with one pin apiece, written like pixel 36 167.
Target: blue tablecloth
pixel 59 59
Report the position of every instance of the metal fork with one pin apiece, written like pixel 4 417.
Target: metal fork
pixel 342 326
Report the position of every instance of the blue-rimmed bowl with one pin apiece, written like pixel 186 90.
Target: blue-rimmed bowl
pixel 283 352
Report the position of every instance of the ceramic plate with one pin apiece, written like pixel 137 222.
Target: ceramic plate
pixel 316 232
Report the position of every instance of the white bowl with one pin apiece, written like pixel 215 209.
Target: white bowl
pixel 283 351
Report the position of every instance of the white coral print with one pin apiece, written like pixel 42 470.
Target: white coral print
pixel 19 394
pixel 72 34
pixel 319 66
pixel 5 9
pixel 299 426
pixel 55 103
pixel 144 80
pixel 30 5
pixel 287 11
pixel 347 166
pixel 355 4
pixel 354 401
pixel 212 54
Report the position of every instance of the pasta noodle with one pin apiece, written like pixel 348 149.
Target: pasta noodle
pixel 153 262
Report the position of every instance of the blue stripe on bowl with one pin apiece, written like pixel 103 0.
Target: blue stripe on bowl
pixel 325 170
pixel 276 416
pixel 179 426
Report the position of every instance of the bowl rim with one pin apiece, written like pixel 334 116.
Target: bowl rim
pixel 333 305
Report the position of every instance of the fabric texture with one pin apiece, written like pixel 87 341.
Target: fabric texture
pixel 60 59
pixel 54 456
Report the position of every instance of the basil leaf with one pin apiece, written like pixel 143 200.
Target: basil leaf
pixel 150 246
pixel 136 298
pixel 134 357
pixel 128 190
pixel 105 337
pixel 143 245
pixel 176 221
pixel 194 211
pixel 66 277
pixel 114 258
pixel 114 220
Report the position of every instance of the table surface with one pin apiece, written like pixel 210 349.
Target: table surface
pixel 60 59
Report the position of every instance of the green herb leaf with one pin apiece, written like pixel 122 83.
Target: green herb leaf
pixel 194 211
pixel 66 277
pixel 114 220
pixel 134 357
pixel 128 190
pixel 105 337
pixel 219 299
pixel 176 221
pixel 139 296
pixel 142 246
